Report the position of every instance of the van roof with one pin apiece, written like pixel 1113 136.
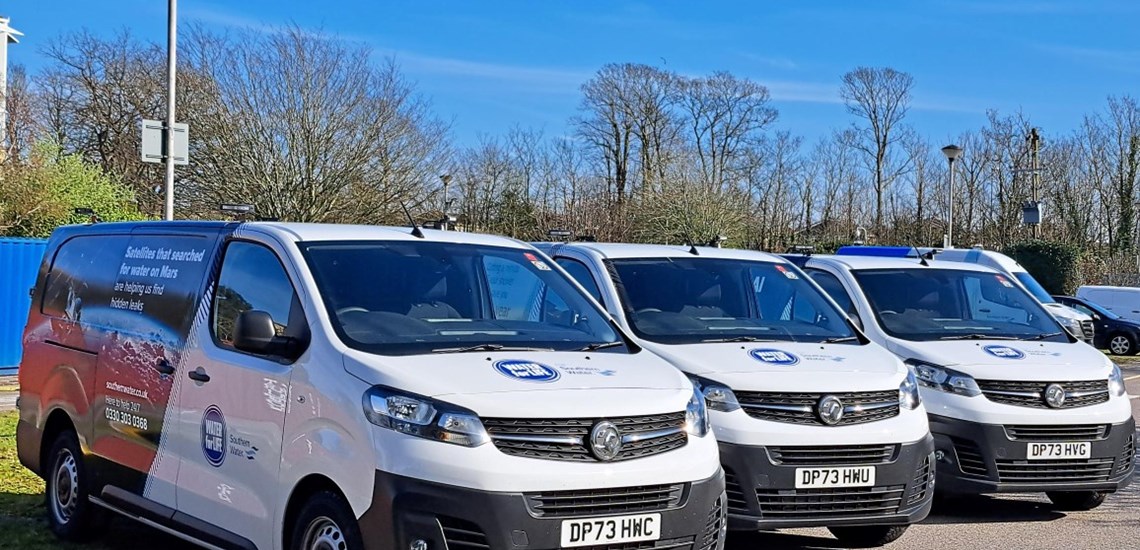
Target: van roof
pixel 880 262
pixel 975 255
pixel 625 250
pixel 306 231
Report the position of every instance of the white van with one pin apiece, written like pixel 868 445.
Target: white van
pixel 1121 300
pixel 1078 324
pixel 1016 404
pixel 818 427
pixel 272 385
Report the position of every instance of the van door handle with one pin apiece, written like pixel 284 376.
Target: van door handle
pixel 199 375
pixel 164 367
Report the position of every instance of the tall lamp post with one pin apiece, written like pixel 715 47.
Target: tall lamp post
pixel 952 152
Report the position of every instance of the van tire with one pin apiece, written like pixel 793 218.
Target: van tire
pixel 1076 501
pixel 868 536
pixel 326 521
pixel 70 513
pixel 1121 344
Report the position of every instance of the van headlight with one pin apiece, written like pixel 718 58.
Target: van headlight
pixel 423 417
pixel 1073 326
pixel 718 397
pixel 908 393
pixel 1116 382
pixel 944 379
pixel 696 415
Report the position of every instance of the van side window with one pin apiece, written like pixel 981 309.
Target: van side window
pixel 252 278
pixel 83 270
pixel 834 288
pixel 581 273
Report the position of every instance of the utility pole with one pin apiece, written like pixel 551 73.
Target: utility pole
pixel 1034 140
pixel 171 79
pixel 7 35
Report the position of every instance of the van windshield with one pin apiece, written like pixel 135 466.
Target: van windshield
pixel 1034 287
pixel 948 304
pixel 404 298
pixel 691 300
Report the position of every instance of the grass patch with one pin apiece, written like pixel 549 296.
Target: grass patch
pixel 22 520
pixel 9 387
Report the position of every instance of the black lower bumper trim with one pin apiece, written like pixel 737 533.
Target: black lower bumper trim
pixel 762 494
pixel 404 510
pixel 982 458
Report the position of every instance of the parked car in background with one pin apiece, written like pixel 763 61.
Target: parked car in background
pixel 1113 332
pixel 1121 300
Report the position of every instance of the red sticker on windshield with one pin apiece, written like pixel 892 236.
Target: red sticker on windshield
pixel 1004 281
pixel 530 256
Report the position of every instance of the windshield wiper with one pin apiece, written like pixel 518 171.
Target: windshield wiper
pixel 1043 336
pixel 487 347
pixel 739 339
pixel 977 336
pixel 601 345
pixel 841 339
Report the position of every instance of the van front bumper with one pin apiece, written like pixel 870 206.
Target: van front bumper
pixel 988 458
pixel 405 510
pixel 762 494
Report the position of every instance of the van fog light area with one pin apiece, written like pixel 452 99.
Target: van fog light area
pixel 418 544
pixel 940 456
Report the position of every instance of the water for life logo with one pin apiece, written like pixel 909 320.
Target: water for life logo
pixel 1004 352
pixel 774 357
pixel 528 371
pixel 214 436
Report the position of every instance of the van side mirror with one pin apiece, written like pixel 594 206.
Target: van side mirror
pixel 254 332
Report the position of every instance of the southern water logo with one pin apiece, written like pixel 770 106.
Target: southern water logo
pixel 214 436
pixel 1004 352
pixel 775 357
pixel 528 371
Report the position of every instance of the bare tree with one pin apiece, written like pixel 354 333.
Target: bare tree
pixel 725 116
pixel 880 97
pixel 307 128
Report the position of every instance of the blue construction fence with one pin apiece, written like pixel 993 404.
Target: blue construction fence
pixel 19 264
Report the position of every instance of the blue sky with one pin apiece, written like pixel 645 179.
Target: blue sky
pixel 488 66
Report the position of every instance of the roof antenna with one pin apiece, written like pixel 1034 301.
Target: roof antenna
pixel 921 257
pixel 692 246
pixel 415 228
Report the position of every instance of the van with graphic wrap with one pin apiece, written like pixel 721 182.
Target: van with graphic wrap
pixel 818 427
pixel 1016 403
pixel 272 385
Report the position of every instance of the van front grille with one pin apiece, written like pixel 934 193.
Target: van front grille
pixel 1089 330
pixel 459 534
pixel 970 460
pixel 828 456
pixel 597 502
pixel 829 503
pixel 800 408
pixel 1128 456
pixel 923 481
pixel 1082 393
pixel 565 438
pixel 1054 471
pixel 737 502
pixel 1080 432
pixel 714 527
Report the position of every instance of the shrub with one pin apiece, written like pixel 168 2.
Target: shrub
pixel 1057 266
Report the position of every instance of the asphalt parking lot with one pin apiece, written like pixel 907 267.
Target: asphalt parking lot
pixel 1009 522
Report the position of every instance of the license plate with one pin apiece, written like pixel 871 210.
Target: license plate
pixel 1053 451
pixel 611 530
pixel 854 476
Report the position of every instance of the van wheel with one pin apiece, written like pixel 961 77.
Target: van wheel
pixel 1075 501
pixel 1121 344
pixel 71 516
pixel 868 536
pixel 326 523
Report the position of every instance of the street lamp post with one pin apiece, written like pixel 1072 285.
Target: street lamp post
pixel 952 152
